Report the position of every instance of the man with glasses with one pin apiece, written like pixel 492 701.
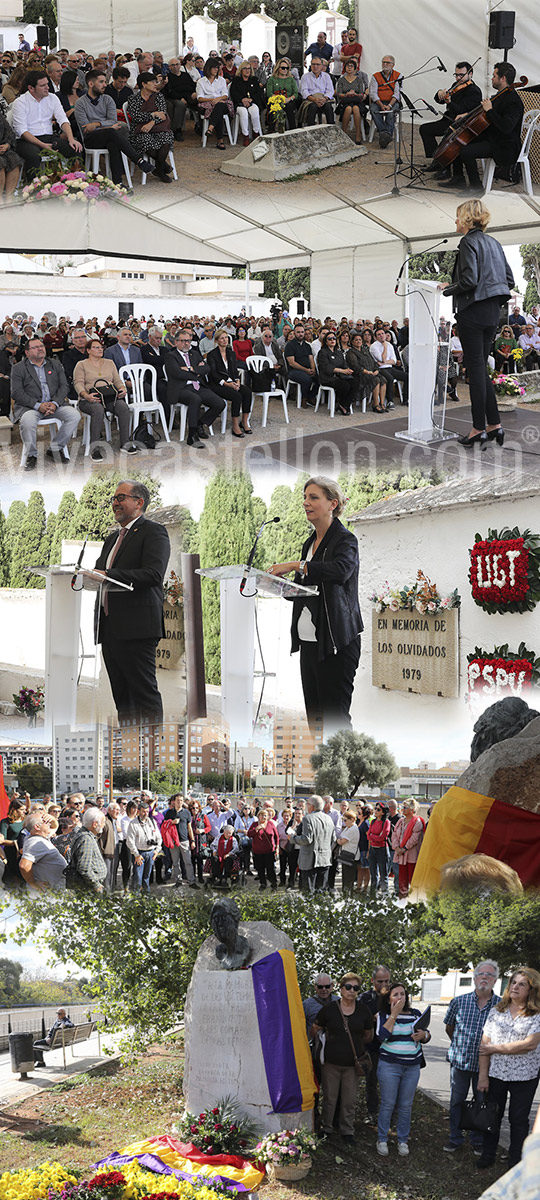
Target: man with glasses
pixel 384 99
pixel 180 94
pixel 130 623
pixel 380 981
pixel 323 995
pixel 186 375
pixel 460 100
pixel 464 1021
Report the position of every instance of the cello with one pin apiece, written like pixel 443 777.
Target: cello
pixel 464 132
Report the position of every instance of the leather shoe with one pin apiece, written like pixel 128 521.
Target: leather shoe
pixel 54 454
pixel 195 441
pixel 483 1163
pixel 202 430
pixel 456 182
pixel 31 462
pixel 478 438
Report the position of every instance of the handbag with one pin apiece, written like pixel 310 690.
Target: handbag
pixel 347 857
pixel 107 393
pixel 363 1064
pixel 479 1114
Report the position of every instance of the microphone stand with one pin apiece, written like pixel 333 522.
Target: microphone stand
pixel 414 173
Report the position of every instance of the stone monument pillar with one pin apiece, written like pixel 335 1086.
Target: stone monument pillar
pixel 204 31
pixel 224 1051
pixel 258 34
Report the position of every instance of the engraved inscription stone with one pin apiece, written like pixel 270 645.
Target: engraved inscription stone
pixel 416 652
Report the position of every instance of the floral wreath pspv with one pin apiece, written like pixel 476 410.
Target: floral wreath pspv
pixel 501 670
pixel 505 570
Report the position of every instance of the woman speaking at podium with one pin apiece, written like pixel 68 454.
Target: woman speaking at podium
pixel 326 628
pixel 481 283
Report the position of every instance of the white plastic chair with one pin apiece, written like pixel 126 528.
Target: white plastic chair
pixel 45 421
pixel 232 134
pixel 293 383
pixel 530 126
pixel 331 397
pixel 137 403
pixel 259 362
pixel 150 157
pixel 92 158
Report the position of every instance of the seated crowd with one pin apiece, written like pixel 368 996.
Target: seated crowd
pixel 135 105
pixel 99 846
pixel 201 364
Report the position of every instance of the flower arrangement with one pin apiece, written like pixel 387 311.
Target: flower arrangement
pixel 52 1181
pixel 505 570
pixel 502 671
pixel 507 385
pixel 173 589
pixel 29 702
pixel 72 186
pixel 421 595
pixel 218 1130
pixel 276 108
pixel 106 1185
pixel 286 1148
pixel 35 1183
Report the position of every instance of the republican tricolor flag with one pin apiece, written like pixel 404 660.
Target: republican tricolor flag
pixel 464 822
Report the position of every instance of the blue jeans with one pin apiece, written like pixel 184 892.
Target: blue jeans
pixel 378 864
pixel 460 1082
pixel 384 121
pixel 140 880
pixel 398 1083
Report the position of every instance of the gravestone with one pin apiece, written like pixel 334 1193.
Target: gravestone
pixel 223 1049
pixel 276 156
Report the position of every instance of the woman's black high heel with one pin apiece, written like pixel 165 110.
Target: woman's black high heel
pixel 473 441
pixel 496 435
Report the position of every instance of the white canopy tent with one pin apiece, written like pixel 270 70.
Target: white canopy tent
pixel 354 248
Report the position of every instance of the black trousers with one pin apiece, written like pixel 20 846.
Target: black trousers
pixel 478 148
pixel 161 389
pixel 431 132
pixel 32 155
pixel 131 667
pixel 344 387
pixel 266 869
pixel 521 1092
pixel 203 406
pixel 314 110
pixel 315 880
pixel 476 340
pixel 125 862
pixel 117 142
pixel 241 400
pixel 391 374
pixel 219 111
pixel 328 685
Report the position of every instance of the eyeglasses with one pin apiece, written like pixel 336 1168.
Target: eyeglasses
pixel 121 496
pixel 325 986
pixel 351 987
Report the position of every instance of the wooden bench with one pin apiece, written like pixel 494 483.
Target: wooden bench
pixel 65 1037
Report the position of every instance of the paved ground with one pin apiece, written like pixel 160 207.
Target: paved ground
pixel 84 1056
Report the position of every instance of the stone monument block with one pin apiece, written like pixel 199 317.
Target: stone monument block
pixel 509 771
pixel 223 1049
pixel 276 156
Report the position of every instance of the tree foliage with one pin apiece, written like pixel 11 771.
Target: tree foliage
pixel 5 555
pixel 349 760
pixel 33 778
pixel 227 530
pixel 36 10
pixel 64 519
pixel 140 950
pixel 229 14
pixel 530 257
pixel 168 781
pixel 454 930
pixel 10 981
pixel 29 545
pixel 93 516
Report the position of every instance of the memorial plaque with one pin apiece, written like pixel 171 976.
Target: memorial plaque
pixel 170 650
pixel 416 652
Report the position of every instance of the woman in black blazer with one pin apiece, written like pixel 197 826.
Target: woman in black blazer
pixel 224 379
pixel 333 371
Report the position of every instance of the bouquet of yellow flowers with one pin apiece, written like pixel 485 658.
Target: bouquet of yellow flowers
pixel 276 109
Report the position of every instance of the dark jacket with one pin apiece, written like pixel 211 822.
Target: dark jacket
pixel 178 378
pixel 259 348
pixel 327 361
pixel 141 560
pixel 217 371
pixel 240 88
pixel 336 611
pixel 116 355
pixel 481 271
pixel 155 357
pixel 463 101
pixel 70 358
pixel 504 129
pixel 179 87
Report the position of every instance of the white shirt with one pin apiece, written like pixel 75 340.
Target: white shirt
pixel 36 116
pixel 502 1027
pixel 376 350
pixel 306 628
pixel 207 89
pixel 530 339
pixel 352 834
pixel 269 352
pixel 189 50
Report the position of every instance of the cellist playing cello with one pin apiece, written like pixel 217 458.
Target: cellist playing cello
pixel 460 99
pixel 500 138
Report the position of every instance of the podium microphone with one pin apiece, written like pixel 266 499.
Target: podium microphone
pixel 78 563
pixel 441 65
pixel 249 564
pixel 404 263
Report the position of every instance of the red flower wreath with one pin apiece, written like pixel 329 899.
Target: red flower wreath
pixel 505 571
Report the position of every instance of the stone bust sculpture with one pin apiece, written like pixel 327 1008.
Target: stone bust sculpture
pixel 233 950
pixel 500 721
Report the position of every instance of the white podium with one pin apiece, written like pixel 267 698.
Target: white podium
pixel 62 632
pixel 424 304
pixel 237 620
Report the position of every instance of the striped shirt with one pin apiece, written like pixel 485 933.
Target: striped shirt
pixel 468 1020
pixel 398 1045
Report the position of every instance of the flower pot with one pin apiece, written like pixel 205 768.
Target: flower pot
pixel 292 1171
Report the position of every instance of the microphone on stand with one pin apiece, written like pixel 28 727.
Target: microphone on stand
pixel 78 564
pixel 441 65
pixel 404 263
pixel 249 564
pixel 429 106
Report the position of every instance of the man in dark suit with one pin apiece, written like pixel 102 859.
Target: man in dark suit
pixel 39 389
pixel 186 374
pixel 71 357
pixel 154 353
pixel 129 625
pixel 123 353
pixel 267 345
pixel 502 138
